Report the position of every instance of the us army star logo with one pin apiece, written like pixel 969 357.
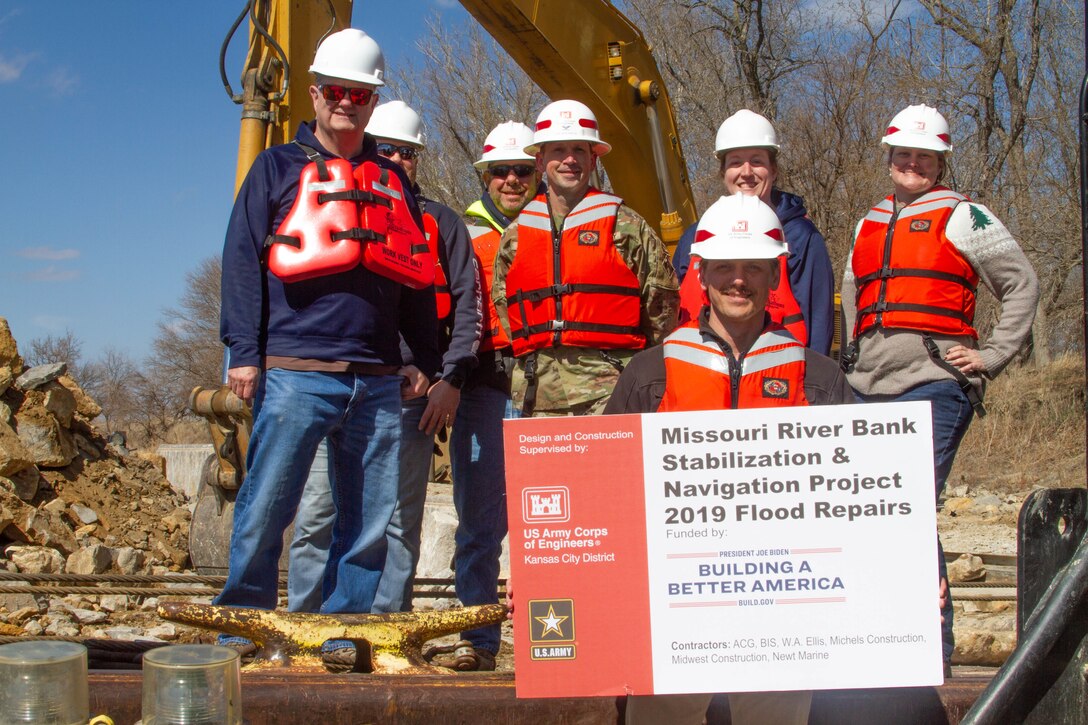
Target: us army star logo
pixel 551 620
pixel 551 629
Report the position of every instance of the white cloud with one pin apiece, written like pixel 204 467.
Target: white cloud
pixel 53 273
pixel 9 15
pixel 62 81
pixel 447 4
pixel 52 323
pixel 11 68
pixel 847 14
pixel 48 253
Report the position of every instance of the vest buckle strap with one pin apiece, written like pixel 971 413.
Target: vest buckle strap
pixel 358 234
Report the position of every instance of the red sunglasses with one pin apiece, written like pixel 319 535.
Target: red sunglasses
pixel 358 96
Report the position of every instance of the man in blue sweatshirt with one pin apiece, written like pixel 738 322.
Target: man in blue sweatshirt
pixel 397 129
pixel 313 317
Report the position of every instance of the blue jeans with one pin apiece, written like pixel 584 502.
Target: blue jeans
pixel 952 414
pixel 309 550
pixel 479 494
pixel 406 526
pixel 293 412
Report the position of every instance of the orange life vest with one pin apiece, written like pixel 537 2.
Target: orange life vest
pixel 442 299
pixel 908 274
pixel 700 376
pixel 485 244
pixel 572 287
pixel 344 217
pixel 781 304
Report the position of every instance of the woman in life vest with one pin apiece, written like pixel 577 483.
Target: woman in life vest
pixel 746 147
pixel 909 292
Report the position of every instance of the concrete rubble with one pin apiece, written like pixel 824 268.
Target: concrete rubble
pixel 72 504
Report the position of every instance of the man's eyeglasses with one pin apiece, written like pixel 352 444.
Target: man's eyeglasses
pixel 406 152
pixel 358 96
pixel 501 172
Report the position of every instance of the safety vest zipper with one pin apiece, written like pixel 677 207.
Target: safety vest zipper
pixel 736 369
pixel 881 298
pixel 557 266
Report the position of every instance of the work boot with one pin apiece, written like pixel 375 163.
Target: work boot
pixel 462 656
pixel 338 655
pixel 244 647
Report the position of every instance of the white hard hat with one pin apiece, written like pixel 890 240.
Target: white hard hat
pixel 351 55
pixel 919 127
pixel 398 122
pixel 743 130
pixel 506 142
pixel 567 121
pixel 739 227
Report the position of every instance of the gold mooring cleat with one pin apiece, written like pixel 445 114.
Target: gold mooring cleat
pixel 293 639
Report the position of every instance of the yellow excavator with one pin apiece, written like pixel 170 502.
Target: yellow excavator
pixel 607 65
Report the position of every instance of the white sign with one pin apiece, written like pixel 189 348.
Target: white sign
pixel 792 548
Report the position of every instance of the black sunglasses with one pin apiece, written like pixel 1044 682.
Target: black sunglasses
pixel 503 170
pixel 388 149
pixel 358 96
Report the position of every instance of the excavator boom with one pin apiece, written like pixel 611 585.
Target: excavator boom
pixel 589 51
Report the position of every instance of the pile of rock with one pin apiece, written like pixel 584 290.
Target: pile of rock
pixel 69 501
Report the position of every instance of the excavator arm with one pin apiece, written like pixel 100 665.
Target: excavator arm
pixel 606 64
pixel 274 95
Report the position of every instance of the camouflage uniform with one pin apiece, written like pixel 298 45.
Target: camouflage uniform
pixel 578 380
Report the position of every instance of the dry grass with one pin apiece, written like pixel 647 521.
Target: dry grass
pixel 1034 434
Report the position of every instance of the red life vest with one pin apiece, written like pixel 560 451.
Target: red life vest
pixel 908 274
pixel 574 289
pixel 342 218
pixel 781 304
pixel 443 301
pixel 700 376
pixel 485 244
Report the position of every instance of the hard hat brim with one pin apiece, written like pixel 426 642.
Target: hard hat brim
pixel 600 148
pixel 482 164
pixel 724 249
pixel 907 141
pixel 718 153
pixel 346 74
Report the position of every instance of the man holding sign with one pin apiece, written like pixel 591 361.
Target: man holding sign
pixel 732 356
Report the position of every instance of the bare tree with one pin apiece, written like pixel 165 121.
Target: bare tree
pixel 187 351
pixel 66 348
pixel 464 86
pixel 117 380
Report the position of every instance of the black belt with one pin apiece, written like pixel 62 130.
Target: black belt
pixel 964 383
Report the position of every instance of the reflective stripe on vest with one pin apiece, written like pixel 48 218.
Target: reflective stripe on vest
pixel 443 302
pixel 343 217
pixel 587 296
pixel 781 304
pixel 485 244
pixel 699 376
pixel 908 274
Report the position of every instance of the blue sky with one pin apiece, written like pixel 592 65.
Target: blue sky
pixel 121 147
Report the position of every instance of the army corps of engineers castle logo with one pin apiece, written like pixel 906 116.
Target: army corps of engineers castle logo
pixel 551 629
pixel 545 504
